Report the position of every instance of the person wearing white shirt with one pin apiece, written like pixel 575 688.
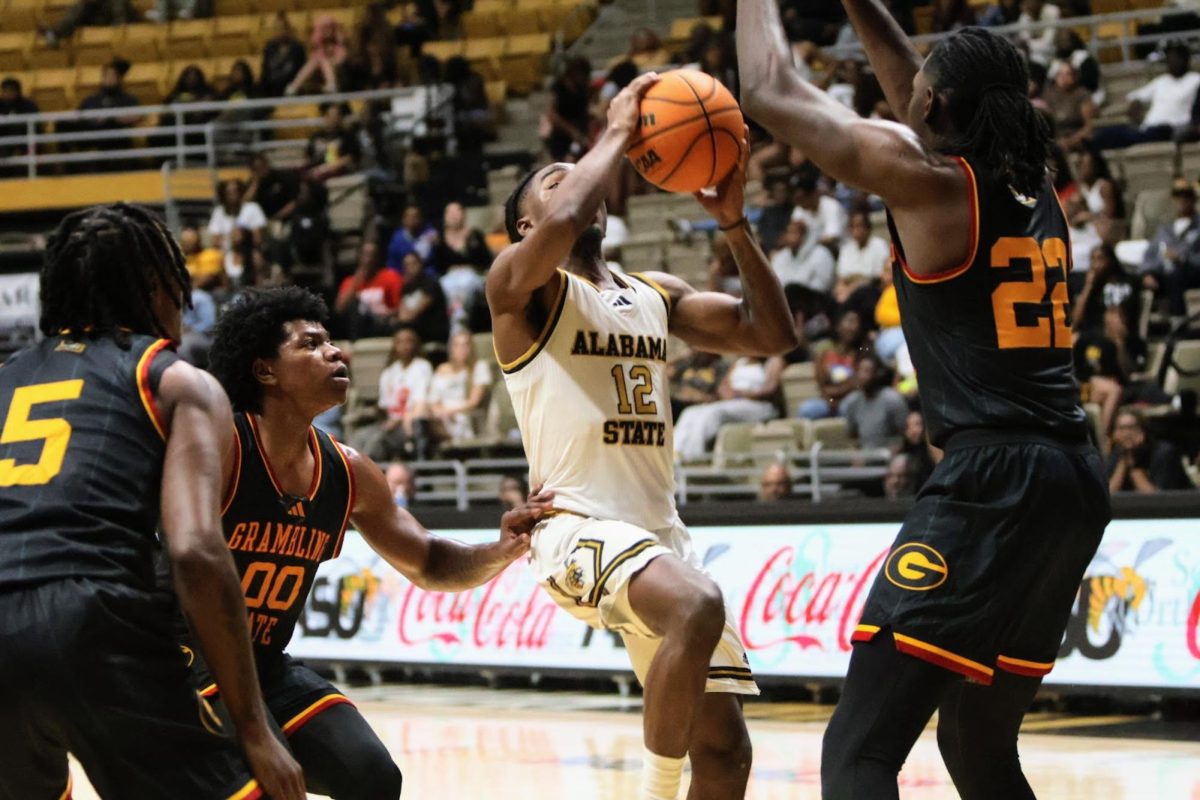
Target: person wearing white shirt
pixel 803 260
pixel 403 398
pixel 862 259
pixel 1035 22
pixel 236 228
pixel 458 390
pixel 1167 100
pixel 823 214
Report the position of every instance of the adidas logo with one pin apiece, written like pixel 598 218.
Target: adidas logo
pixel 619 301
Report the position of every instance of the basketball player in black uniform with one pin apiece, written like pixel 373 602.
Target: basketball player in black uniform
pixel 291 492
pixel 105 431
pixel 982 576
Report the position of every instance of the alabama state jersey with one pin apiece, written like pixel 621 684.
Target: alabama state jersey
pixel 989 339
pixel 592 402
pixel 81 459
pixel 278 540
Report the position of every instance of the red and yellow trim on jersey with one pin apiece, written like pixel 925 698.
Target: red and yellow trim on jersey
pixel 353 495
pixel 236 477
pixel 328 701
pixel 143 384
pixel 251 791
pixel 864 633
pixel 929 652
pixel 1030 669
pixel 313 444
pixel 972 239
pixel 66 793
pixel 210 691
pixel 560 300
pixel 656 286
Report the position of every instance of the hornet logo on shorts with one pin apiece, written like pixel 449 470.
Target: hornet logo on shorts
pixel 574 576
pixel 917 567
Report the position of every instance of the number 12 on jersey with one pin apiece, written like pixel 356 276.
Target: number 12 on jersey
pixel 1044 333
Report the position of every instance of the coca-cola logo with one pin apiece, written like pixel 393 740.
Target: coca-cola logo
pixel 808 609
pixel 509 612
pixel 1193 628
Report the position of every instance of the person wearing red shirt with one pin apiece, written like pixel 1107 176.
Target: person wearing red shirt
pixel 368 300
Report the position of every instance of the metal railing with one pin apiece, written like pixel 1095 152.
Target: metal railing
pixel 184 139
pixel 1092 23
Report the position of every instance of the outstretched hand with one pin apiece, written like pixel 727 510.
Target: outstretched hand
pixel 727 201
pixel 517 524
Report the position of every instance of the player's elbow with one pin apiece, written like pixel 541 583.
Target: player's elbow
pixel 197 554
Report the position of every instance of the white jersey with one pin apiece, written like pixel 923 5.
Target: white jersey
pixel 592 401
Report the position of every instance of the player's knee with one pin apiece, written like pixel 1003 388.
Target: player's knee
pixel 704 615
pixel 730 754
pixel 382 782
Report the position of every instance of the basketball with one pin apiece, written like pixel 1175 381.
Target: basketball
pixel 690 132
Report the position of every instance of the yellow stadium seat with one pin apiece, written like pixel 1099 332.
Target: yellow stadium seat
pixel 87 80
pixel 443 51
pixel 53 89
pixel 230 8
pixel 95 46
pixel 236 36
pixel 40 56
pixel 484 22
pixel 485 55
pixel 301 23
pixel 142 43
pixel 497 92
pixel 347 17
pixel 295 112
pixel 21 15
pixel 148 82
pixel 524 22
pixel 572 18
pixel 189 38
pixel 537 44
pixel 274 6
pixel 13 50
pixel 223 65
pixel 524 61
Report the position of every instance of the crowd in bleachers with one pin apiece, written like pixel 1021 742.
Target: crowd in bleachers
pixel 408 295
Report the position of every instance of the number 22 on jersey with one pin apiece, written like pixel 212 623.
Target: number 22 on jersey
pixel 55 433
pixel 1045 333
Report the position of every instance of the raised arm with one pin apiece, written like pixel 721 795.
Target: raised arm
pixel 893 58
pixel 530 264
pixel 432 562
pixel 759 323
pixel 199 444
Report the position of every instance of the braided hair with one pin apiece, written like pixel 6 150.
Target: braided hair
pixel 102 267
pixel 992 120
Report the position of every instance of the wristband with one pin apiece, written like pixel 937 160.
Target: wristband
pixel 738 224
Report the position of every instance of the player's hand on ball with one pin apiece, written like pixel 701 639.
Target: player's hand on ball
pixel 516 525
pixel 624 114
pixel 277 772
pixel 727 201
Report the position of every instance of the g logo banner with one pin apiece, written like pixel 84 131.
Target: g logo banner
pixel 917 567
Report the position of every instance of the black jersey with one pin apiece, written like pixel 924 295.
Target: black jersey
pixel 81 458
pixel 278 540
pixel 989 339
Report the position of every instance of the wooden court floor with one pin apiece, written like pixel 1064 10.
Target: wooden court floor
pixel 459 743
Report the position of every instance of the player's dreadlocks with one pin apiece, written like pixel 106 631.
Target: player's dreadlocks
pixel 512 206
pixel 102 266
pixel 250 328
pixel 986 81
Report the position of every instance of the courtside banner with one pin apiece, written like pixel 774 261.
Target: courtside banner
pixel 796 592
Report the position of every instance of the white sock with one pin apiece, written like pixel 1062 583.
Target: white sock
pixel 660 776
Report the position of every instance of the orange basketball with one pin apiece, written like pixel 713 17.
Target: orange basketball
pixel 690 135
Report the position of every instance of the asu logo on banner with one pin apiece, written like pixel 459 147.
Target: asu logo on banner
pixel 917 567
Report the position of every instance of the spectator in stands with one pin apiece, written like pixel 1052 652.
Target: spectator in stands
pixel 695 379
pixel 890 338
pixel 403 394
pixel 1106 286
pixel 334 148
pixel 645 50
pixel 1071 107
pixel 198 322
pixel 1003 12
pixel 802 260
pixel 719 61
pixel 875 413
pixel 413 236
pixel 458 392
pixel 191 87
pixel 776 214
pixel 1105 361
pixel 110 95
pixel 236 228
pixel 513 491
pixel 750 392
pixel 275 190
pixel 373 62
pixel 1036 19
pixel 403 483
pixel 1102 204
pixel 723 275
pixel 441 17
pixel 423 303
pixel 1172 261
pixel 862 258
pixel 206 266
pixel 922 456
pixel 837 369
pixel 458 243
pixel 775 483
pixel 1167 102
pixel 692 52
pixel 14 101
pixel 169 10
pixel 308 243
pixel 239 84
pixel 899 481
pixel 283 57
pixel 950 15
pixel 368 301
pixel 1070 49
pixel 1139 463
pixel 327 52
pixel 472 113
pixel 568 118
pixel 823 214
pixel 95 13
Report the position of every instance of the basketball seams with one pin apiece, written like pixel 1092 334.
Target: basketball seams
pixel 681 123
pixel 687 151
pixel 712 171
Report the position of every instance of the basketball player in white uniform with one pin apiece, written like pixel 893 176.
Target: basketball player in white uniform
pixel 584 355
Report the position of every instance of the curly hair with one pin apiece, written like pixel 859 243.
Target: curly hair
pixel 252 327
pixel 102 267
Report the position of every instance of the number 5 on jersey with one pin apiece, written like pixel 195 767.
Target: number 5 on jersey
pixel 1053 332
pixel 54 432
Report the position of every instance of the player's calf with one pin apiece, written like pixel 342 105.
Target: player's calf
pixel 720 750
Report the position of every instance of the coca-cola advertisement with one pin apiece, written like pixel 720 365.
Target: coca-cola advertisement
pixel 796 592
